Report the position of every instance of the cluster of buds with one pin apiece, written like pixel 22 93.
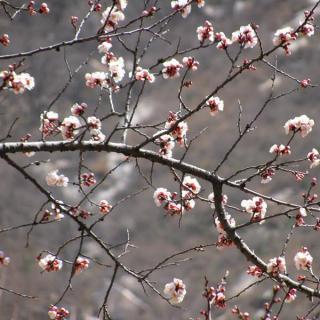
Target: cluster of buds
pixel 54 213
pixel 171 69
pixel 175 291
pixel 245 36
pixel 215 296
pixel 43 9
pixel 56 313
pixel 303 259
pixel 280 149
pixel 88 179
pixel 17 83
pixel 78 109
pixel 49 123
pixel 81 264
pixel 205 32
pixel 223 240
pixel 254 271
pixel 144 75
pixel 5 40
pixel 307 27
pixel 81 213
pixel 291 295
pixel 105 207
pixel 180 130
pixel 191 63
pixel 302 124
pixel 257 207
pixel 49 263
pixel 4 260
pixel 215 104
pixel 276 265
pixel 241 315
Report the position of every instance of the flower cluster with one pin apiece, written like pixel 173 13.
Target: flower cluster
pixel 50 263
pixel 222 41
pixel 302 124
pixel 303 259
pixel 219 226
pixel 111 17
pixel 4 260
pixel 254 271
pixel 78 109
pixel 205 32
pixel 166 143
pixel 257 207
pixel 283 37
pixel 216 296
pixel 171 69
pixel 81 264
pixel 55 212
pixel 56 313
pixel 245 36
pixel 180 130
pixel 55 179
pixel 144 75
pixel 267 174
pixel 182 6
pixel 95 129
pixel 175 291
pixel 88 179
pixel 105 207
pixel 191 63
pixel 96 79
pixel 276 266
pixel 215 104
pixel 69 127
pixel 17 83
pixel 280 149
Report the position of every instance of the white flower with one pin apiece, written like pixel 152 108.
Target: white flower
pixel 114 16
pixel 191 184
pixel 50 263
pixel 205 32
pixel 219 226
pixel 215 104
pixel 303 259
pixel 307 29
pixel 175 291
pixel 257 207
pixel 116 69
pixel 105 206
pixel 104 47
pixel 246 36
pixel 54 179
pixel 144 75
pixel 81 264
pixel 171 69
pixel 94 123
pixel 161 195
pixel 223 41
pixel 97 79
pixel 314 158
pixel 303 124
pixel 276 265
pixel 182 6
pixel 283 35
pixel 69 127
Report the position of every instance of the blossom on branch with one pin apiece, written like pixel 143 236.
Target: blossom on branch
pixel 175 291
pixel 50 263
pixel 302 124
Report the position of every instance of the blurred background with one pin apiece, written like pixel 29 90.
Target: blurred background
pixel 154 234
